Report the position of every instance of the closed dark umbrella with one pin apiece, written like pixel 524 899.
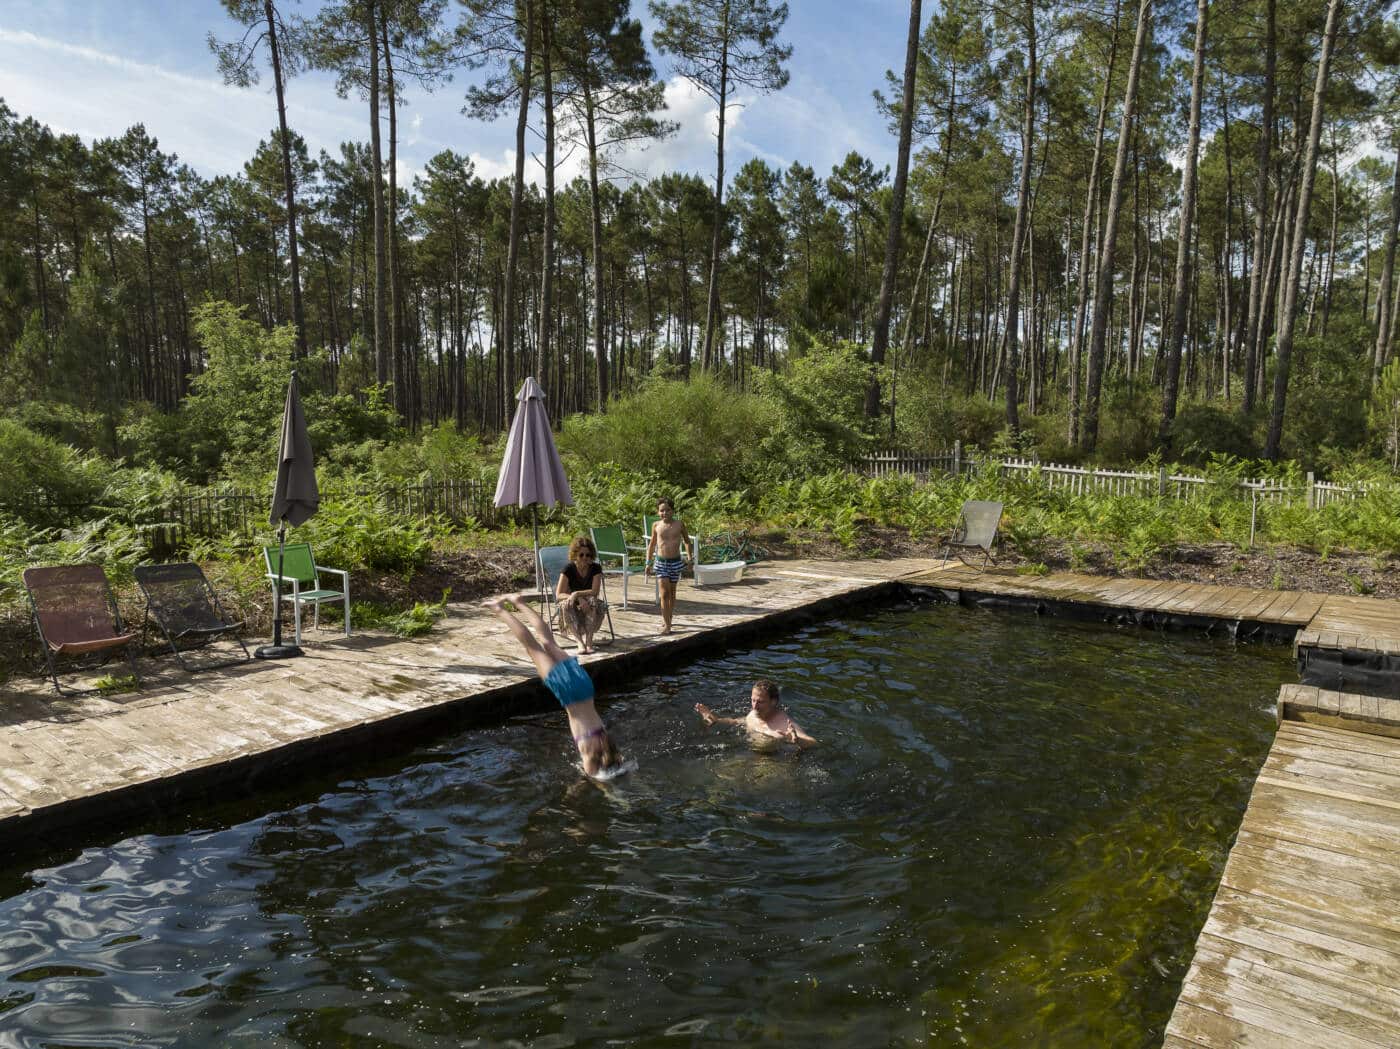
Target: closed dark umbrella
pixel 532 473
pixel 295 498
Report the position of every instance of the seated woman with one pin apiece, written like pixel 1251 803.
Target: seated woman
pixel 579 593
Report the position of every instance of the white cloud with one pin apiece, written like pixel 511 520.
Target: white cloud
pixel 213 127
pixel 489 168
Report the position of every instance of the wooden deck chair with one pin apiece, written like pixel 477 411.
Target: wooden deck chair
pixel 76 615
pixel 303 574
pixel 617 557
pixel 977 530
pixel 552 562
pixel 184 606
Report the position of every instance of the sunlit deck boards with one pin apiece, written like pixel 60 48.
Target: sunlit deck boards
pixel 1203 600
pixel 1302 944
pixel 1359 624
pixel 62 759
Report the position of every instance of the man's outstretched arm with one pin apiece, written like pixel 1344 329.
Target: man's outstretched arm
pixel 709 717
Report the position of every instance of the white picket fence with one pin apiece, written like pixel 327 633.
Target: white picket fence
pixel 1079 480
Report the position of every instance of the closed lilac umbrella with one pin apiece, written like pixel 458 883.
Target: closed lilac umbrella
pixel 531 472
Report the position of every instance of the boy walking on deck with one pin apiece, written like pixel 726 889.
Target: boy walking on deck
pixel 667 552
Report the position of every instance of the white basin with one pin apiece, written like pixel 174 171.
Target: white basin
pixel 718 575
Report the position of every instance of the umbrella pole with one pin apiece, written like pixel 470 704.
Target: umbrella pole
pixel 535 525
pixel 277 650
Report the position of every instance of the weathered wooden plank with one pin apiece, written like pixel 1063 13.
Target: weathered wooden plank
pixel 1358 940
pixel 1338 871
pixel 1310 939
pixel 1245 873
pixel 1339 739
pixel 1323 769
pixel 1341 822
pixel 1308 606
pixel 1206 1014
pixel 1290 748
pixel 1357 1012
pixel 1280 610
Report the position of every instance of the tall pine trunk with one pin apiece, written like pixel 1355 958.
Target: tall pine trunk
pixel 712 320
pixel 1103 286
pixel 600 348
pixel 403 399
pixel 1255 325
pixel 880 340
pixel 547 272
pixel 1018 234
pixel 1295 264
pixel 509 293
pixel 288 183
pixel 1180 287
pixel 1076 335
pixel 381 316
pixel 1384 316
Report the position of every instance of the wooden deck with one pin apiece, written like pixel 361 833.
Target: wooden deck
pixel 1302 944
pixel 1288 608
pixel 64 761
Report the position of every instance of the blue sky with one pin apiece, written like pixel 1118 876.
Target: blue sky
pixel 95 67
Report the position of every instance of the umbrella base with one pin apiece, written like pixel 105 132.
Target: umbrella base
pixel 277 651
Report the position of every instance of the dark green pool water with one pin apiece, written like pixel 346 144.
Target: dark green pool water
pixel 1010 836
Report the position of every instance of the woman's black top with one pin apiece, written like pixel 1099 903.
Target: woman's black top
pixel 577 582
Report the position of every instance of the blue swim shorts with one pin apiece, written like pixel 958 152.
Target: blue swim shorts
pixel 668 568
pixel 569 682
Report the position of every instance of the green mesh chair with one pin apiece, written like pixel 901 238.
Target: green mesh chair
pixel 616 557
pixel 301 572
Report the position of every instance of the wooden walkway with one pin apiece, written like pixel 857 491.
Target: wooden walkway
pixel 1302 944
pixel 1143 596
pixel 64 761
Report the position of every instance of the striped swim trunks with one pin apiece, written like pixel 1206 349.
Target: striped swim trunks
pixel 668 568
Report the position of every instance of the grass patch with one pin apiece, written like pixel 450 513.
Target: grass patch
pixel 412 622
pixel 112 684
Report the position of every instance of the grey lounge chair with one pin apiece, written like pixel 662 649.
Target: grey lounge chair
pixel 76 615
pixel 977 530
pixel 185 607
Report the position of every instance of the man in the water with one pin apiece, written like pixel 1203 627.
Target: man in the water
pixel 767 720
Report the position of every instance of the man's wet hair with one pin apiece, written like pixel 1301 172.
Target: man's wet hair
pixel 663 501
pixel 768 689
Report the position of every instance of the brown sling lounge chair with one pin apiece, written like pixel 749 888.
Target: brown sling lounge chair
pixel 76 616
pixel 185 607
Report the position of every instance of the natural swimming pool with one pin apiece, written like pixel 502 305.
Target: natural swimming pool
pixel 1010 835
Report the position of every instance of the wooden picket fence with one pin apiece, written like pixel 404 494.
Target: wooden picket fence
pixel 1080 480
pixel 221 511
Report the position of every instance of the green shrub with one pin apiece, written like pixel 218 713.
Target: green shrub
pixel 351 531
pixel 686 433
pixel 33 463
pixel 819 410
pixel 1202 430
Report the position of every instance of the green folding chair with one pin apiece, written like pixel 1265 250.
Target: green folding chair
pixel 301 572
pixel 616 557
